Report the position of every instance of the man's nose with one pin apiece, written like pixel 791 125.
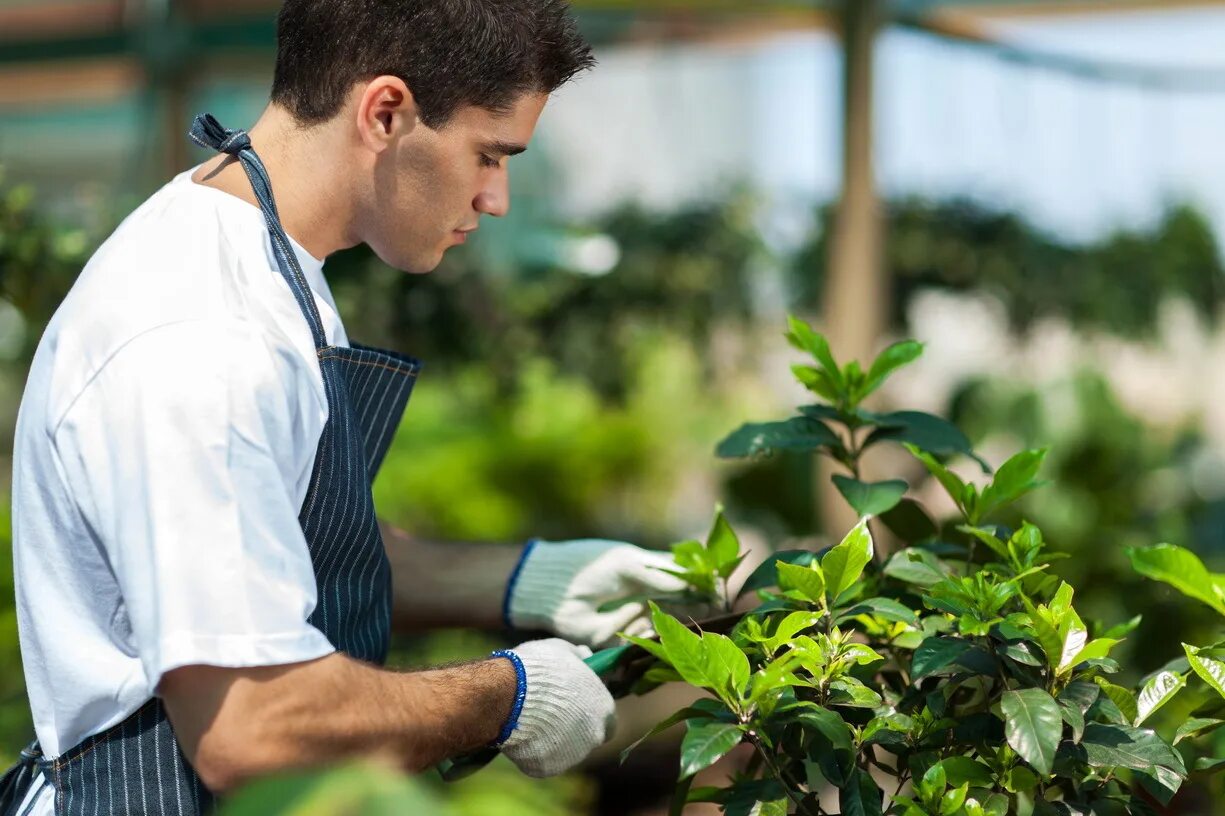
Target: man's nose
pixel 494 199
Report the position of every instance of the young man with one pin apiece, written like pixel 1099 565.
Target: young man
pixel 204 592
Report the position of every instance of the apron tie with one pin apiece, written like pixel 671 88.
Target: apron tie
pixel 207 132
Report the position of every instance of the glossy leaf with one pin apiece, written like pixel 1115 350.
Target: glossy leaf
pixel 808 581
pixel 870 498
pixel 687 713
pixel 766 575
pixel 683 648
pixel 888 361
pixel 706 742
pixel 1033 726
pixel 806 339
pixel 762 438
pixel 726 666
pixel 860 796
pixel 1210 670
pixel 952 483
pixel 1157 692
pixel 1197 727
pixel 1121 746
pixel 917 566
pixel 1123 698
pixel 930 433
pixel 1181 569
pixel 845 563
pixel 1014 479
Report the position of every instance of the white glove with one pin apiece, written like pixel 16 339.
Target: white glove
pixel 558 587
pixel 562 710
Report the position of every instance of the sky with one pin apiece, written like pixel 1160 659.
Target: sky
pixel 1079 157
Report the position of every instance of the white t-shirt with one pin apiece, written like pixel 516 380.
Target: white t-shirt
pixel 164 448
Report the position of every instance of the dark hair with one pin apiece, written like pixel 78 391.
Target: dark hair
pixel 450 53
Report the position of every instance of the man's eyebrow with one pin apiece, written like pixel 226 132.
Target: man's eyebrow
pixel 504 148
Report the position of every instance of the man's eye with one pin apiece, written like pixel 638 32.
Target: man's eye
pixel 489 161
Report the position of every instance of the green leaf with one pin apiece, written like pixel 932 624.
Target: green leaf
pixel 952 483
pixel 1075 700
pixel 845 563
pixel 909 521
pixel 766 575
pixel 1094 650
pixel 726 666
pixel 1211 671
pixel 1179 568
pixel 925 431
pixel 803 337
pixel 762 438
pixel 705 743
pixel 1212 764
pixel 914 565
pixel 723 546
pixel 834 748
pixel 1014 479
pixel 847 691
pixel 683 648
pixel 1033 726
pixel 889 360
pixel 987 537
pixel 1196 727
pixel 870 499
pixel 885 608
pixel 809 580
pixel 653 647
pixel 1121 697
pixel 860 796
pixel 962 770
pixel 1157 692
pixel 937 653
pixel 818 381
pixel 791 626
pixel 1121 746
pixel 687 713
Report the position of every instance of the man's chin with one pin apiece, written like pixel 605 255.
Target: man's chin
pixel 417 265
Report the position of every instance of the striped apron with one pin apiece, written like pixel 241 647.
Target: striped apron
pixel 136 767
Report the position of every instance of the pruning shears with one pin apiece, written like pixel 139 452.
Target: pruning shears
pixel 620 667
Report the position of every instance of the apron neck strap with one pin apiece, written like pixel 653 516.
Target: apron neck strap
pixel 207 132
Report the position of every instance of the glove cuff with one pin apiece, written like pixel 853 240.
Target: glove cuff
pixel 513 582
pixel 512 722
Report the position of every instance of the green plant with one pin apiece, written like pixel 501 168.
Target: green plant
pixel 954 677
pixel 1203 667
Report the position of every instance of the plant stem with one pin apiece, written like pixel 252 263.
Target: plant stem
pixel 789 785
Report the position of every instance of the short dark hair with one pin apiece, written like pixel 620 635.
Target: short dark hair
pixel 450 53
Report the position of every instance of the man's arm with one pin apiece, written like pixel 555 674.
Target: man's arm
pixel 542 705
pixel 447 584
pixel 236 724
pixel 560 587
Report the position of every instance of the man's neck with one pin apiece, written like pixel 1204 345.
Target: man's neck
pixel 311 193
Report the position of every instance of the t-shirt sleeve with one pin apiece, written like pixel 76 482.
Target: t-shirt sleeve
pixel 184 453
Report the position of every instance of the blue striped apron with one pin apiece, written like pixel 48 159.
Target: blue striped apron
pixel 136 767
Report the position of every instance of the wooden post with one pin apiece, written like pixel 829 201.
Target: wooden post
pixel 854 300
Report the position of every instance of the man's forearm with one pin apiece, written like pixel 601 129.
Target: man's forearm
pixel 235 724
pixel 447 584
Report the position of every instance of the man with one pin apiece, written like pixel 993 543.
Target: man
pixel 204 592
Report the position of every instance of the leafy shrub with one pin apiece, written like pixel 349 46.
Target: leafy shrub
pixel 956 673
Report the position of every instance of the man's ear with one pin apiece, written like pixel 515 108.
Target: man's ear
pixel 386 111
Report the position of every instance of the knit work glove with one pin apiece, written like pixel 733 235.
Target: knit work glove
pixel 560 586
pixel 562 711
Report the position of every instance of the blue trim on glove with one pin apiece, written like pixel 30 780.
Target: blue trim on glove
pixel 514 577
pixel 512 722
